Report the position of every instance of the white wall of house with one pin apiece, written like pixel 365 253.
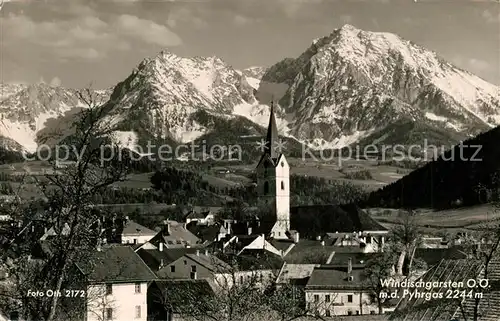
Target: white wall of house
pixel 340 302
pixel 136 239
pixel 124 302
pixel 261 278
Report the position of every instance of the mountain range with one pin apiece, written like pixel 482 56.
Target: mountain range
pixel 350 87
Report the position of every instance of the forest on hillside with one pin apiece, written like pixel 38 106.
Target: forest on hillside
pixel 465 175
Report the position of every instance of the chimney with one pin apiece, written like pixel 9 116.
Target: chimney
pixel 197 252
pixel 167 227
pixel 161 247
pixel 318 238
pixel 296 237
pixel 206 252
pixel 249 230
pixel 162 263
pixel 349 266
pixel 322 243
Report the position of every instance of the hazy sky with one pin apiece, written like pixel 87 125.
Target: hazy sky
pixel 74 42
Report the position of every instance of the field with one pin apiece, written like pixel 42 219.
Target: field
pixel 233 175
pixel 471 218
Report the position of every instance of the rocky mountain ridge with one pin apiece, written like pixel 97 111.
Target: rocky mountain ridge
pixel 348 87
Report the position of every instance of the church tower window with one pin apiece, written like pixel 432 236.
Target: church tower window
pixel 266 188
pixel 282 185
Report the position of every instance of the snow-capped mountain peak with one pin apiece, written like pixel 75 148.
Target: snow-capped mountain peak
pixel 349 86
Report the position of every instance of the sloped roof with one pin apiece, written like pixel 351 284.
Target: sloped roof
pixel 211 262
pixel 116 264
pixel 317 220
pixel 434 256
pixel 295 272
pixel 153 257
pixel 357 258
pixel 418 309
pixel 204 232
pixel 178 236
pixel 136 229
pixel 336 277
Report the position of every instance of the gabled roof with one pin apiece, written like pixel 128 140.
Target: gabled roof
pixel 259 259
pixel 177 236
pixel 204 232
pixel 434 256
pixel 291 272
pixel 136 229
pixel 335 277
pixel 418 309
pixel 211 262
pixel 153 258
pixel 115 264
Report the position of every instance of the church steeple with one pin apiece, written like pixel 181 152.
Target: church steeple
pixel 272 135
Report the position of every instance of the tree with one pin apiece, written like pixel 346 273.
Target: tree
pixel 406 237
pixel 379 269
pixel 235 295
pixel 69 210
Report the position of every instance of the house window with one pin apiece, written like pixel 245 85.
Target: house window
pixel 368 239
pixel 135 241
pixel 372 312
pixel 172 268
pixel 109 313
pixel 282 164
pixel 266 188
pixel 109 289
pixel 137 288
pixel 137 311
pixel 316 298
pixel 327 298
pixel 349 298
pixel 193 268
pixel 357 312
pixel 185 262
pixel 282 185
pixel 241 279
pixel 349 312
pixel 193 275
pixel 327 313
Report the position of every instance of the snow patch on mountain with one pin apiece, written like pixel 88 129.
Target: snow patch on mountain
pixel 254 82
pixel 435 117
pixel 340 142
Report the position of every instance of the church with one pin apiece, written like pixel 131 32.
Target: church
pixel 337 225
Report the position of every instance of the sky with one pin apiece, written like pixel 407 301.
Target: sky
pixel 74 43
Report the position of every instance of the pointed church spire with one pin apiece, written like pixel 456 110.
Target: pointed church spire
pixel 272 134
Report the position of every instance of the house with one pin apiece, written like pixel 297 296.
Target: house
pixel 240 243
pixel 157 258
pixel 134 233
pixel 174 235
pixel 456 273
pixel 202 215
pixel 208 234
pixel 198 265
pixel 253 267
pixel 340 290
pixel 169 299
pixel 116 282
